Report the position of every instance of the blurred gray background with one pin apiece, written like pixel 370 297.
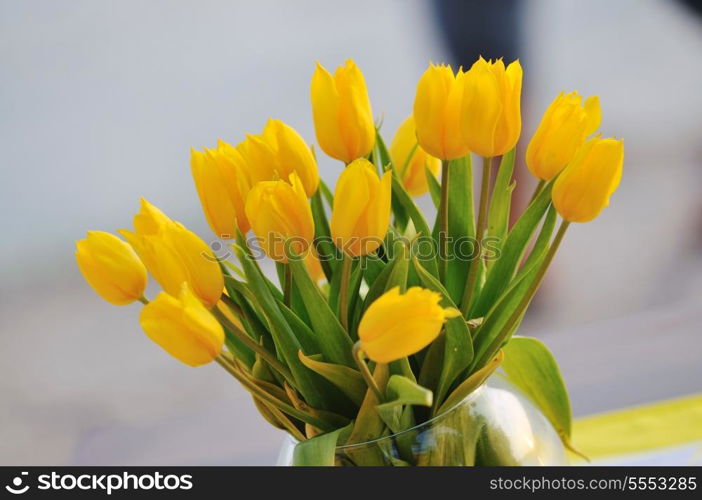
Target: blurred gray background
pixel 100 102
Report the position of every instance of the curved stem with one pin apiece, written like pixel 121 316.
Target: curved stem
pixel 344 291
pixel 268 398
pixel 267 356
pixel 358 357
pixel 474 265
pixel 443 220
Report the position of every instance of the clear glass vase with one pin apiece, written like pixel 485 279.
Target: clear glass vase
pixel 495 425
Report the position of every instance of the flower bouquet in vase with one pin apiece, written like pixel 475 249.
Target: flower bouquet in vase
pixel 383 337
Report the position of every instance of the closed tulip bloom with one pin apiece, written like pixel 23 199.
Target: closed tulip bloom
pixel 111 267
pixel 183 327
pixel 222 186
pixel 259 157
pixel 584 187
pixel 411 161
pixel 491 114
pixel 398 325
pixel 293 155
pixel 361 213
pixel 173 255
pixel 279 211
pixel 343 120
pixel 563 129
pixel 437 113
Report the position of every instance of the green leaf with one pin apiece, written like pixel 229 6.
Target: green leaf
pixel 333 340
pixel 500 201
pixel 542 242
pixel 368 425
pixel 383 161
pixel 286 343
pixel 320 451
pixel 434 187
pixel 494 323
pixel 530 366
pixel 374 266
pixel 304 334
pixel 326 193
pixel 327 251
pixel 461 224
pixel 394 274
pixel 458 350
pixel 470 384
pixel 425 241
pixel 401 391
pixel 503 269
pixel 348 380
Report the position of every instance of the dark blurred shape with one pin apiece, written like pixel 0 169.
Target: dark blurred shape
pixel 694 5
pixel 475 28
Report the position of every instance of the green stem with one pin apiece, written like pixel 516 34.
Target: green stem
pixel 524 303
pixel 359 358
pixel 443 221
pixel 537 190
pixel 474 265
pixel 267 356
pixel 344 291
pixel 408 160
pixel 268 398
pixel 288 289
pixel 143 300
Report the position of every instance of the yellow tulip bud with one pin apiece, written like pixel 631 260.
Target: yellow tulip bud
pixel 343 120
pixel 583 189
pixel 361 213
pixel 174 255
pixel 111 267
pixel 395 325
pixel 410 160
pixel 563 129
pixel 259 157
pixel 183 327
pixel 491 116
pixel 222 186
pixel 279 211
pixel 292 154
pixel 437 113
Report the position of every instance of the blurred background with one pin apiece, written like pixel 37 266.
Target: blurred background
pixel 100 102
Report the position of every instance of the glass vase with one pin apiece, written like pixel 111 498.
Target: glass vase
pixel 495 425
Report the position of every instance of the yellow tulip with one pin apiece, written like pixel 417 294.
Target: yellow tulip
pixel 437 113
pixel 491 117
pixel 583 189
pixel 222 186
pixel 259 157
pixel 293 155
pixel 398 325
pixel 278 152
pixel 343 120
pixel 361 213
pixel 173 254
pixel 279 211
pixel 111 267
pixel 563 129
pixel 410 160
pixel 183 327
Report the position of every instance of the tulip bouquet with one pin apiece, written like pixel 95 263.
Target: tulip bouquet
pixel 381 323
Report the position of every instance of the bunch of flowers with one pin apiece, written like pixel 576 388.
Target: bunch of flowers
pixel 380 321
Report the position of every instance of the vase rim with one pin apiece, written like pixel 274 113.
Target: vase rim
pixel 424 424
